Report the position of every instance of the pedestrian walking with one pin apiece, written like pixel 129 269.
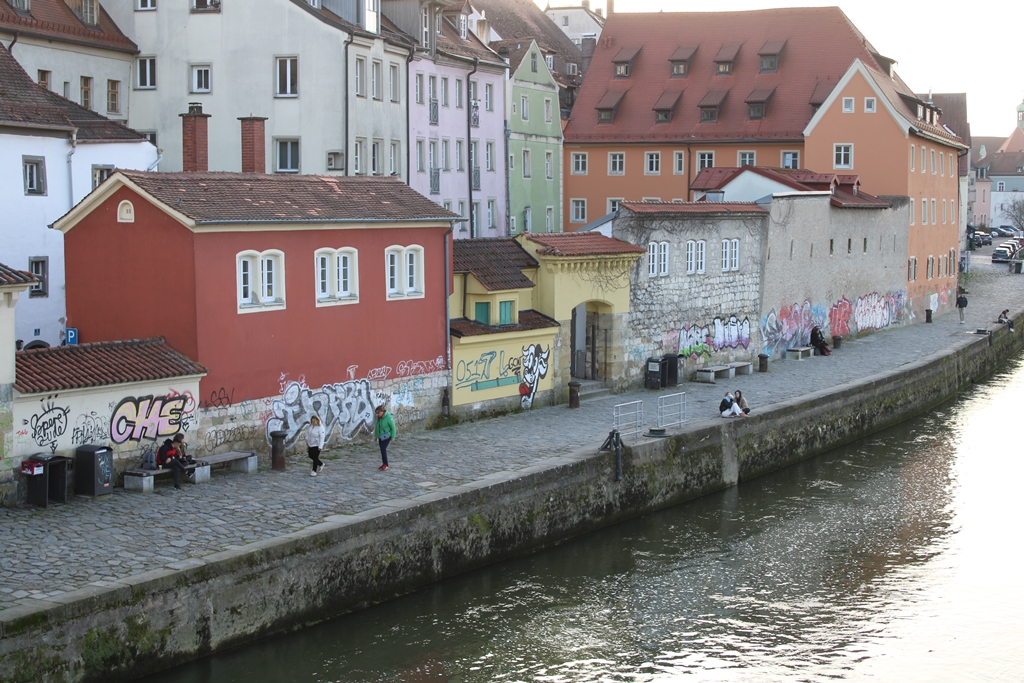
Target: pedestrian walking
pixel 384 431
pixel 961 305
pixel 315 436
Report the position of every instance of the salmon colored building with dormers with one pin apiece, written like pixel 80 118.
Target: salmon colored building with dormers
pixel 874 126
pixel 670 93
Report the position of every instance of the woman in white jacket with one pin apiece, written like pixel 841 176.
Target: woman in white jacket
pixel 315 436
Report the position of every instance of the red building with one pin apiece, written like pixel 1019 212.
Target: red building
pixel 272 282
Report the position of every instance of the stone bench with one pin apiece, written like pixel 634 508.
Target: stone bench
pixel 742 368
pixel 143 480
pixel 712 372
pixel 799 352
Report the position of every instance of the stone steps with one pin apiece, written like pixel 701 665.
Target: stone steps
pixel 592 388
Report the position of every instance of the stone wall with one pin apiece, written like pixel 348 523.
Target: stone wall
pixel 844 270
pixel 203 605
pixel 707 318
pixel 8 481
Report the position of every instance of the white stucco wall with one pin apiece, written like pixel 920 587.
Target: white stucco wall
pixel 372 119
pixel 24 232
pixel 580 23
pixel 1001 200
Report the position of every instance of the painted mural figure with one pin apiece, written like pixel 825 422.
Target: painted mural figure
pixel 535 368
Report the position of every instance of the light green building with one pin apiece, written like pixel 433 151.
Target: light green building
pixel 534 140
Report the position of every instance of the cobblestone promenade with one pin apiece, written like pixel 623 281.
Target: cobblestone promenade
pixel 45 552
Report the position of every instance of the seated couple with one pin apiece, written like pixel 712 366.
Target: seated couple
pixel 172 456
pixel 734 406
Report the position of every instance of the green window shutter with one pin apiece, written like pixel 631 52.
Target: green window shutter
pixel 505 312
pixel 483 312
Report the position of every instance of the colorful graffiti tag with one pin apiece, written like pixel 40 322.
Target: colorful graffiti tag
pixel 792 325
pixel 345 406
pixel 148 417
pixel 535 368
pixel 722 333
pixel 49 424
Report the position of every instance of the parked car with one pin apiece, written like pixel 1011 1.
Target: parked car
pixel 1000 255
pixel 985 238
pixel 1002 231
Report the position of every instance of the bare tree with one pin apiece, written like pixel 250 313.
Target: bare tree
pixel 1013 211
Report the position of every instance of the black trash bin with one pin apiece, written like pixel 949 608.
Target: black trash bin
pixel 652 377
pixel 49 480
pixel 94 471
pixel 670 370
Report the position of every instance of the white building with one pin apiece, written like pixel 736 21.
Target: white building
pixel 577 22
pixel 72 48
pixel 52 153
pixel 325 74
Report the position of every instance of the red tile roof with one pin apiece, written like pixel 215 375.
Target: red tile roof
pixel 497 262
pixel 280 198
pixel 846 192
pixel 10 276
pixel 905 102
pixel 54 20
pixel 60 368
pixel 528 320
pixel 582 244
pixel 23 102
pixel 820 45
pixel 523 20
pixel 676 208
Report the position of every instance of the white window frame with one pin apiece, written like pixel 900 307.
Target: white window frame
pixel 527 164
pixel 794 154
pixel 286 77
pixel 395 158
pixel 360 77
pixel 913 158
pixel 459 165
pixel 492 212
pixel 458 93
pixel 145 5
pixel 849 105
pixel 403 272
pixel 935 218
pixel 746 152
pixel 652 163
pixel 198 84
pixel 579 211
pixel 652 259
pixel 547 110
pixel 421 156
pixel 377 80
pixel 528 219
pixel 549 219
pixel 612 203
pixel 34 175
pixel 678 162
pixel 489 155
pixel 662 259
pixel 444 91
pixel 39 266
pixel 870 105
pixel 705 156
pixel 614 157
pixel 336 273
pixel 934 171
pixel 489 96
pixel 524 107
pixel 846 148
pixel 278 167
pixel 579 163
pixel 734 255
pixel 691 251
pixel 549 167
pixel 100 173
pixel 145 66
pixel 260 280
pixel 726 246
pixel 701 256
pixel 396 82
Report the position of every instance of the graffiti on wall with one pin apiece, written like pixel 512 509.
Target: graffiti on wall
pixel 790 326
pixel 839 317
pixel 345 406
pixel 406 368
pixel 148 417
pixel 876 311
pixel 90 428
pixel 48 424
pixel 488 370
pixel 703 340
pixel 534 369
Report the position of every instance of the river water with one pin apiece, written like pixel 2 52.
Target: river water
pixel 897 558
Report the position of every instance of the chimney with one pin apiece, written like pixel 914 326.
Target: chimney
pixel 610 7
pixel 587 47
pixel 254 144
pixel 586 4
pixel 195 139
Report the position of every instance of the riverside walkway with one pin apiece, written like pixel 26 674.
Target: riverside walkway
pixel 47 552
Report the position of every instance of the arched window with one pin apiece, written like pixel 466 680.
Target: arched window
pixel 337 276
pixel 260 280
pixel 403 268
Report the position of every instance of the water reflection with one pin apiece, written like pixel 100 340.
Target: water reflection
pixel 894 557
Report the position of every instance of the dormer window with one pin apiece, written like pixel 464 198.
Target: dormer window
pixel 726 59
pixel 769 55
pixel 757 103
pixel 680 61
pixel 624 61
pixel 90 13
pixel 425 37
pixel 665 105
pixel 755 112
pixel 711 105
pixel 609 106
pixel 462 26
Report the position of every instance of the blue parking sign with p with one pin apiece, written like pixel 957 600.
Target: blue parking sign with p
pixel 71 335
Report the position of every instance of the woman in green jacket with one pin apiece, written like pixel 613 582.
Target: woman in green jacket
pixel 384 431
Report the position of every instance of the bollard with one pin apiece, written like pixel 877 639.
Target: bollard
pixel 927 315
pixel 277 450
pixel 574 394
pixel 762 362
pixel 837 342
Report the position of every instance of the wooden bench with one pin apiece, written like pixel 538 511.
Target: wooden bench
pixel 742 368
pixel 799 352
pixel 712 372
pixel 142 480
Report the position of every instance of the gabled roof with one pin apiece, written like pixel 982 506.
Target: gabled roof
pixel 528 320
pixel 693 208
pixel 1003 164
pixel 212 198
pixel 60 368
pixel 582 244
pixel 1014 143
pixel 10 276
pixel 845 189
pixel 451 42
pixel 991 145
pixel 578 8
pixel 54 20
pixel 497 262
pixel 25 103
pixel 820 45
pixel 522 20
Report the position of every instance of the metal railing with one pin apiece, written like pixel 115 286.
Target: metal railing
pixel 435 181
pixel 474 117
pixel 476 177
pixel 435 111
pixel 628 418
pixel 671 410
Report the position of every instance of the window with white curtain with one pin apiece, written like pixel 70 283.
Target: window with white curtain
pixel 337 276
pixel 260 280
pixel 404 271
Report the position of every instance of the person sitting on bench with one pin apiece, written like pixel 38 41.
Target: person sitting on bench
pixel 179 445
pixel 168 456
pixel 818 342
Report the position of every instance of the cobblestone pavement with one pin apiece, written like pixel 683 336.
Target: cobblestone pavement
pixel 46 552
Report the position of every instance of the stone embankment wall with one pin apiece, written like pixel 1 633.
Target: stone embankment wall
pixel 169 616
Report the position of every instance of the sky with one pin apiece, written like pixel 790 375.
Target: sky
pixel 944 48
